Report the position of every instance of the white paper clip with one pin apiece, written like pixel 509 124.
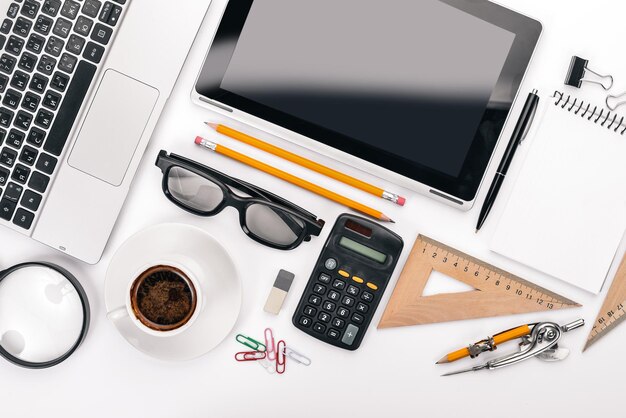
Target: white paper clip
pixel 269 366
pixel 297 357
pixel 269 344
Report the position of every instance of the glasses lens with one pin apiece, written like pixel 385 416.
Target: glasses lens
pixel 273 225
pixel 41 314
pixel 194 191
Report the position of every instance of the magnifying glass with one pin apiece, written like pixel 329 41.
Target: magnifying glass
pixel 44 314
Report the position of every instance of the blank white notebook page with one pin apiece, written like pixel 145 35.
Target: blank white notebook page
pixel 567 212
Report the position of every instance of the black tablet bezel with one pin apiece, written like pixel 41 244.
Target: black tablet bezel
pixel 463 187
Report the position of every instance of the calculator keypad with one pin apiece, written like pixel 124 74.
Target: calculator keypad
pixel 344 300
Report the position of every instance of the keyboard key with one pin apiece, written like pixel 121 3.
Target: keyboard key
pixel 362 308
pixel 13 192
pixel 7 208
pixel 319 289
pixel 333 334
pixel 305 322
pixel 319 327
pixel 101 33
pixel 31 200
pixel 35 43
pixel 93 52
pixel 38 182
pixel 13 9
pixel 23 218
pixel 7 63
pixel 343 312
pixel 105 13
pixel 357 319
pixel 6 26
pixel 70 106
pixel 20 173
pixel 350 334
pixel 30 102
pixel 14 45
pixel 51 7
pixel 12 99
pixel 15 138
pixel 46 64
pixel 324 317
pixel 4 81
pixel 29 155
pixel 367 297
pixel 38 83
pixel 4 175
pixel 315 300
pixel 23 120
pixel 44 118
pixel 54 46
pixel 83 26
pixel 339 284
pixel 36 137
pixel 8 157
pixel 20 80
pixel 70 9
pixel 75 44
pixel 348 301
pixel 43 25
pixel 28 62
pixel 338 323
pixel 6 117
pixel 62 28
pixel 22 27
pixel 30 9
pixel 3 40
pixel 324 278
pixel 59 81
pixel 120 1
pixel 67 63
pixel 3 135
pixel 51 100
pixel 114 17
pixel 92 7
pixel 334 296
pixel 353 290
pixel 310 311
pixel 329 306
pixel 46 163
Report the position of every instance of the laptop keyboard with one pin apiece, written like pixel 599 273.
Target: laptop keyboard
pixel 49 52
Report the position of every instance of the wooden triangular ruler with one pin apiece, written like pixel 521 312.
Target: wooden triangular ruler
pixel 612 311
pixel 497 292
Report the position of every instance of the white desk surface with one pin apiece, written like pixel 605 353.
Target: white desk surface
pixel 393 373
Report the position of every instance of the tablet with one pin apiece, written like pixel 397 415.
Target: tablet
pixel 417 92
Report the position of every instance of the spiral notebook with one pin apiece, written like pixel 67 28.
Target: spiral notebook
pixel 566 215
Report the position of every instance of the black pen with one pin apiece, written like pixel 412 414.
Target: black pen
pixel 519 133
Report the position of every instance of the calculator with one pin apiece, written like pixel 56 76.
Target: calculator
pixel 348 281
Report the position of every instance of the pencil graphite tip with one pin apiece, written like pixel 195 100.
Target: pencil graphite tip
pixel 211 125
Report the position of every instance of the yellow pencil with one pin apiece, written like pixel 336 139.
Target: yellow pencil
pixel 220 149
pixel 311 165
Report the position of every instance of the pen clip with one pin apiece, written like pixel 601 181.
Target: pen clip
pixel 531 118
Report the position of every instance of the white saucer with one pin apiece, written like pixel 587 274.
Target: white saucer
pixel 209 262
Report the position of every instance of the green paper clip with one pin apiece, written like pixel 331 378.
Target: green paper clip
pixel 250 342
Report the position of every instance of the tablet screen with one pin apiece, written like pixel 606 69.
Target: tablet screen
pixel 421 88
pixel 392 80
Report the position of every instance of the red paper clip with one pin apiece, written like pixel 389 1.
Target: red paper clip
pixel 281 359
pixel 269 344
pixel 250 355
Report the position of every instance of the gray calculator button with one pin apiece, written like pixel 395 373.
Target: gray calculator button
pixel 330 264
pixel 350 334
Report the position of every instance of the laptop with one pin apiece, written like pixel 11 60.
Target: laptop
pixel 82 85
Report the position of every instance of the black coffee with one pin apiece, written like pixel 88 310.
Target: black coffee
pixel 163 298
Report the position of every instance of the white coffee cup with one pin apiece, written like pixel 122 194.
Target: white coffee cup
pixel 131 310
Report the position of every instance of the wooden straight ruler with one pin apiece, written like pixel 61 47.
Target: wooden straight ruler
pixel 612 311
pixel 498 292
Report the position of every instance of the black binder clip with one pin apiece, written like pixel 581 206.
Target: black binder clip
pixel 577 71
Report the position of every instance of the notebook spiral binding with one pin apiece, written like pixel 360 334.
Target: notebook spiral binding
pixel 579 107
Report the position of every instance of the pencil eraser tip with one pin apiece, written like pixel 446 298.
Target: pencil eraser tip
pixel 198 140
pixel 401 200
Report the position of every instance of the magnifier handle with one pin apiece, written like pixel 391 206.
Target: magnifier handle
pixel 117 314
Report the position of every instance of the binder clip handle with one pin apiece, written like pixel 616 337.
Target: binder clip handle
pixel 578 69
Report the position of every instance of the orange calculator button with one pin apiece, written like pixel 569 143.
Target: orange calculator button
pixel 372 286
pixel 357 279
pixel 343 273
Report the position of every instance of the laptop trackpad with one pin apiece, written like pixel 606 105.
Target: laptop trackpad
pixel 114 125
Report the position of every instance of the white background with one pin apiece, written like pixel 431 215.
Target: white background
pixel 393 373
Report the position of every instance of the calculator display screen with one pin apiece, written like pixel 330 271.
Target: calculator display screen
pixel 363 250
